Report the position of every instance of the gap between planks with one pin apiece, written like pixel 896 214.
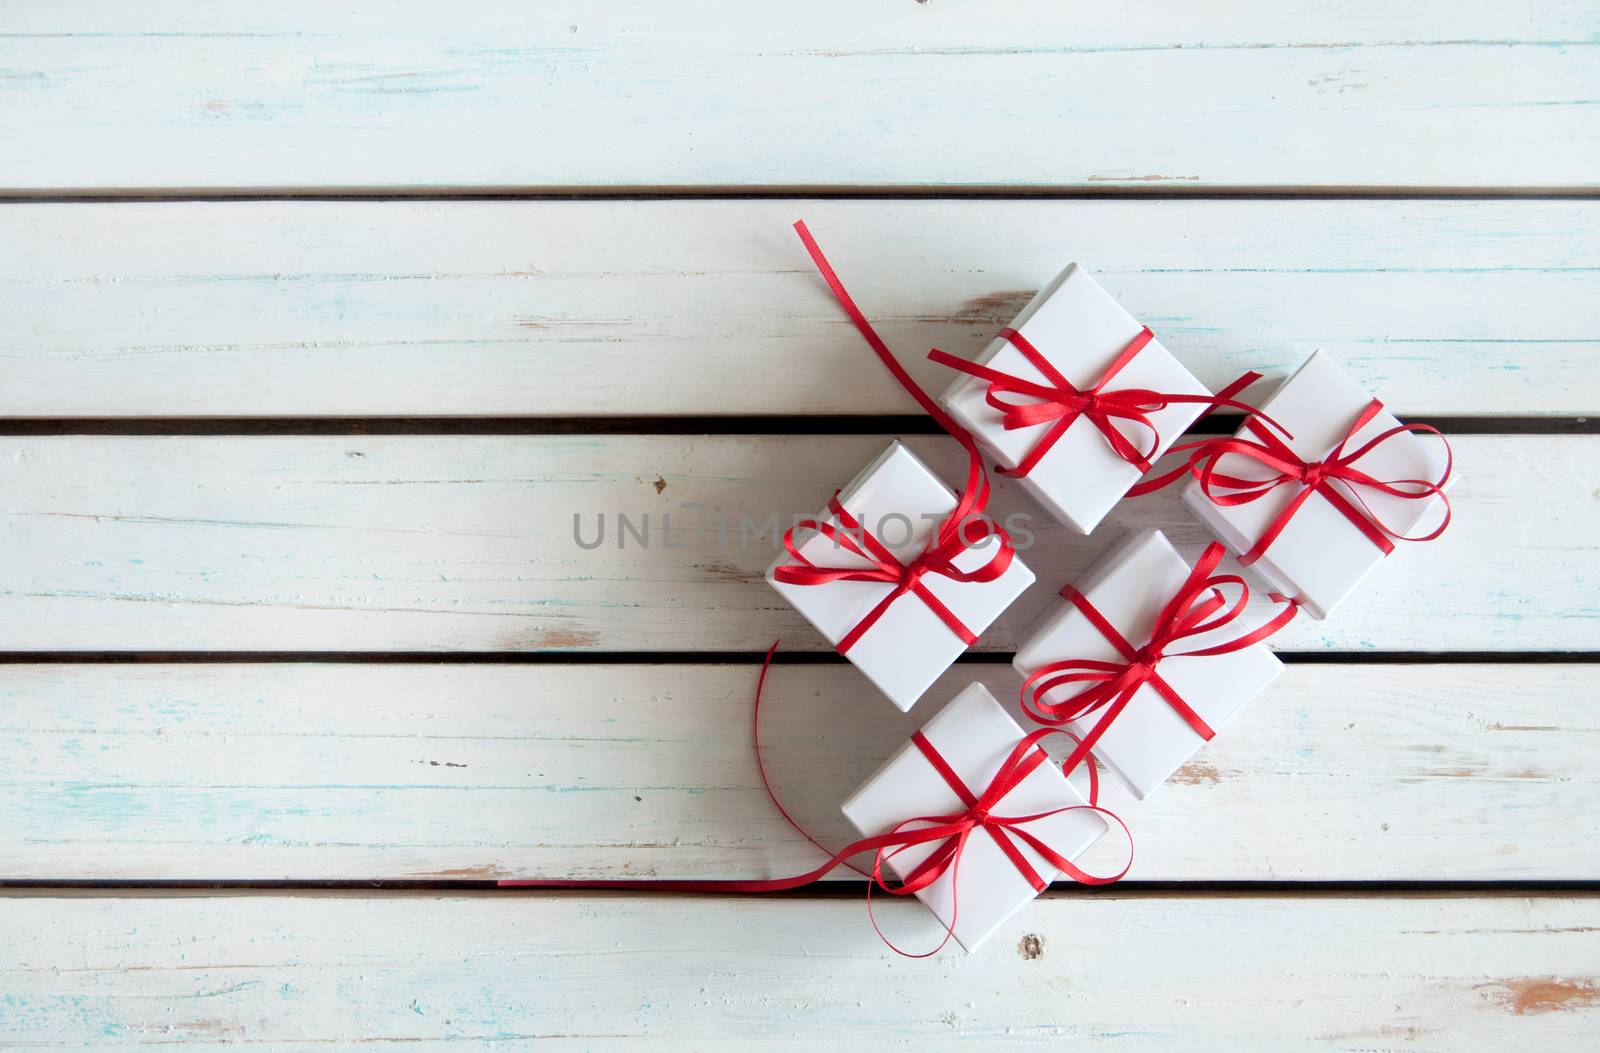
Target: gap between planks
pixel 704 658
pixel 843 888
pixel 775 424
pixel 822 890
pixel 798 192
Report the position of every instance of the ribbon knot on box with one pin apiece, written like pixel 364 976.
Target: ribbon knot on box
pixel 1336 477
pixel 961 530
pixel 957 827
pixel 1199 607
pixel 1061 401
pixel 953 830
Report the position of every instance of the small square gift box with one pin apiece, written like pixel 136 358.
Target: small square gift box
pixel 1000 821
pixel 895 577
pixel 1076 399
pixel 1315 505
pixel 1147 658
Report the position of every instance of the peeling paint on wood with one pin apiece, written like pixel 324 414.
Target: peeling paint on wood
pixel 1197 773
pixel 1550 995
pixel 992 310
pixel 567 640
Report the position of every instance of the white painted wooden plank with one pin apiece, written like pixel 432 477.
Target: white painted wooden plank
pixel 449 543
pixel 408 772
pixel 710 307
pixel 301 973
pixel 487 93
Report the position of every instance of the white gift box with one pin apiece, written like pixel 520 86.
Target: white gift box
pixel 901 503
pixel 1080 330
pixel 1149 739
pixel 975 735
pixel 1321 556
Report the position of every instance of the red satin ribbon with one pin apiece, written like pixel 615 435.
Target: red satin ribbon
pixel 961 529
pixel 953 829
pixel 1335 477
pixel 1060 401
pixel 937 558
pixel 950 832
pixel 1198 607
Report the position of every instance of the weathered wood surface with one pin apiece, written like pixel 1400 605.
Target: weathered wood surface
pixel 451 543
pixel 706 307
pixel 492 94
pixel 425 972
pixel 427 772
pixel 710 307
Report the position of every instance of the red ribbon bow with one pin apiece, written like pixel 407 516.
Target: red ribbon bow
pixel 1059 400
pixel 954 828
pixel 1198 607
pixel 1335 477
pixel 953 831
pixel 952 539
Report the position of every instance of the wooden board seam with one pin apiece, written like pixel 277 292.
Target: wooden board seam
pixel 844 887
pixel 803 192
pixel 688 424
pixel 703 658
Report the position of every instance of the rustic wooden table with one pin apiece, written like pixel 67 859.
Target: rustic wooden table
pixel 322 323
